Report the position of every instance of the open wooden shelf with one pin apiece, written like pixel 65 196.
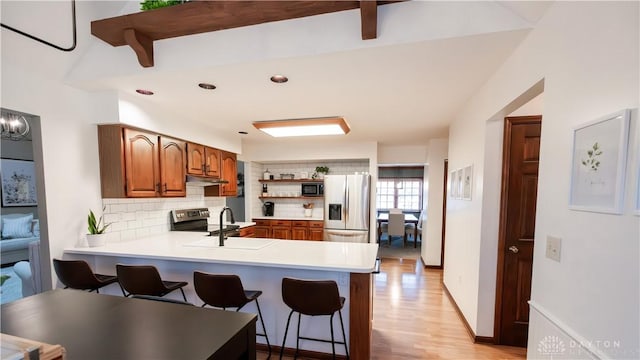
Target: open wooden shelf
pixel 140 30
pixel 292 181
pixel 292 197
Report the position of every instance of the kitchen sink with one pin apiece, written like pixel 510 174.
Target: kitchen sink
pixel 232 243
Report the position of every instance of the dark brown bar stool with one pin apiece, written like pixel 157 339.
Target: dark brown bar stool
pixel 226 291
pixel 313 298
pixel 145 280
pixel 76 274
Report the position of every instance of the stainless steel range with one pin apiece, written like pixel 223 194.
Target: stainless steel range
pixel 196 220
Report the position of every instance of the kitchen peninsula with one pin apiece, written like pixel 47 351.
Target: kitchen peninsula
pixel 261 264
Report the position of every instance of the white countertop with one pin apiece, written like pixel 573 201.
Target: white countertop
pixel 287 218
pixel 196 247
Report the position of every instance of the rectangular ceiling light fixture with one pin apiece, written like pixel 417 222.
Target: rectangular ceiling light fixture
pixel 304 127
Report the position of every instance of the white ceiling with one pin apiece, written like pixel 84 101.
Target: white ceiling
pixel 401 89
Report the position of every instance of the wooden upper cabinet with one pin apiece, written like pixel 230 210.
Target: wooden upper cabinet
pixel 229 173
pixel 172 169
pixel 203 160
pixel 142 166
pixel 212 162
pixel 195 159
pixel 138 163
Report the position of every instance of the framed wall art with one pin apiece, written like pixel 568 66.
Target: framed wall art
pixel 18 183
pixel 453 185
pixel 637 202
pixel 598 164
pixel 467 182
pixel 460 182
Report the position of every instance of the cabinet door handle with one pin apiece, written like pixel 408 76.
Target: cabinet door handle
pixel 165 187
pixel 158 187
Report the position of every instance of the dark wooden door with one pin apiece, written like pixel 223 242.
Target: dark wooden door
pixel 141 162
pixel 517 228
pixel 172 169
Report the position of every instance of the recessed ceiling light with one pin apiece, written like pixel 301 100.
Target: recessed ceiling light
pixel 279 79
pixel 242 132
pixel 207 86
pixel 144 92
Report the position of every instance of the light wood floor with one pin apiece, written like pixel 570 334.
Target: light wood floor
pixel 414 319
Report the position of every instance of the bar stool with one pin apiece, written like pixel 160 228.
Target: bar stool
pixel 76 274
pixel 145 280
pixel 313 298
pixel 226 291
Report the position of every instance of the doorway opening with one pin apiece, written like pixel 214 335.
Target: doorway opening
pixel 26 261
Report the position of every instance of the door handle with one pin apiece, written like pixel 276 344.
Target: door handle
pixel 514 249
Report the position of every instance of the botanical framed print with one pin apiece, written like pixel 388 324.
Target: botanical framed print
pixel 467 182
pixel 18 183
pixel 637 202
pixel 598 164
pixel 453 185
pixel 460 182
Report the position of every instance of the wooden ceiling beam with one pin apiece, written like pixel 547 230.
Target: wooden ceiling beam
pixel 140 30
pixel 369 19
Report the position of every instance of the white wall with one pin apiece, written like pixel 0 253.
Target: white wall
pixel 31 83
pixel 432 230
pixel 407 154
pixel 593 293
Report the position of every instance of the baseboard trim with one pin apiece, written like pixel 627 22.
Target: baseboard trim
pixel 472 335
pixel 275 352
pixel 424 264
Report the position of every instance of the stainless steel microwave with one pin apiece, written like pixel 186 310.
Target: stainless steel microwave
pixel 312 189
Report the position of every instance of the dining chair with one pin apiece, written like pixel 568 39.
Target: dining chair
pixel 145 280
pixel 396 227
pixel 409 228
pixel 384 227
pixel 313 298
pixel 226 291
pixel 76 274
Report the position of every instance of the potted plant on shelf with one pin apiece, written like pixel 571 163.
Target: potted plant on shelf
pixel 96 229
pixel 155 4
pixel 308 209
pixel 321 171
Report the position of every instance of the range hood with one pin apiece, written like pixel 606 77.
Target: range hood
pixel 204 181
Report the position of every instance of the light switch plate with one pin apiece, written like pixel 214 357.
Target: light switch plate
pixel 554 247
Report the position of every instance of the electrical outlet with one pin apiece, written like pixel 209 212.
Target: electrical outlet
pixel 554 247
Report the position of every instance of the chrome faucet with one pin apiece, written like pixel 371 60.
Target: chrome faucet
pixel 233 221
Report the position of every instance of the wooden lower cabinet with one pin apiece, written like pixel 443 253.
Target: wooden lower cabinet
pixel 248 231
pixel 281 229
pixel 316 230
pixel 289 229
pixel 262 229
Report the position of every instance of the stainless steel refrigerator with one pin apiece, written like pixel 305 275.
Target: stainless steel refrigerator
pixel 346 208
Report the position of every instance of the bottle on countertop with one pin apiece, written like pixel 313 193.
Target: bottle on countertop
pixel 266 175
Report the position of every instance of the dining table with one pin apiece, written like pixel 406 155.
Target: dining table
pixel 408 219
pixel 99 326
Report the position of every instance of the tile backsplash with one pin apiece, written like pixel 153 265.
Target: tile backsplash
pixel 133 218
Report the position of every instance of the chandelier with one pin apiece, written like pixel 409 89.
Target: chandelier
pixel 14 126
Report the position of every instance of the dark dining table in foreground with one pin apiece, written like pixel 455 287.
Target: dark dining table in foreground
pixel 96 326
